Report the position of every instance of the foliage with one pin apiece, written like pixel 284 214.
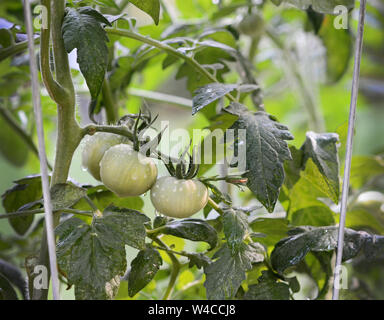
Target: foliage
pixel 253 243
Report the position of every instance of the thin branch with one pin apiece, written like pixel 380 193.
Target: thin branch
pixel 15 49
pixel 110 104
pixel 167 48
pixel 175 269
pixel 348 156
pixel 41 210
pixel 55 90
pixel 161 97
pixel 215 206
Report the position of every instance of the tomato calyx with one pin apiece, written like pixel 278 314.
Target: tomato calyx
pixel 139 123
pixel 182 169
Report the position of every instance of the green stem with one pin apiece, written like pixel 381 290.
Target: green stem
pixel 21 132
pixel 167 48
pixel 161 97
pixel 215 206
pixel 69 133
pixel 56 92
pixel 41 210
pixel 109 103
pixel 15 49
pixel 175 269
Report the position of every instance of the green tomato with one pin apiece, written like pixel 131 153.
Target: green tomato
pixel 94 148
pixel 179 198
pixel 252 25
pixel 127 172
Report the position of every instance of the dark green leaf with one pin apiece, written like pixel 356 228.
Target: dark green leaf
pixel 191 229
pixel 6 290
pixel 235 224
pixel 290 251
pixel 152 7
pixel 82 29
pixel 225 275
pixel 266 150
pixel 129 224
pixel 209 93
pixel 93 256
pixel 268 288
pixel 199 260
pixel 65 195
pixel 322 149
pixel 143 269
pixel 25 191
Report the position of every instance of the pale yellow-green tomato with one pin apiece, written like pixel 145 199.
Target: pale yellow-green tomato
pixel 126 172
pixel 179 198
pixel 252 25
pixel 94 148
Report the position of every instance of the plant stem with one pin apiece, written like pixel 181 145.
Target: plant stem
pixel 215 206
pixel 56 92
pixel 15 49
pixel 161 97
pixel 41 210
pixel 110 104
pixel 21 213
pixel 69 133
pixel 167 48
pixel 175 269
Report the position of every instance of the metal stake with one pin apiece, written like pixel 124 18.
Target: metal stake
pixel 348 156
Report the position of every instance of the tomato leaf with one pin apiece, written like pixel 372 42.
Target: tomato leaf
pixel 365 168
pixel 129 224
pixel 225 275
pixel 324 6
pixel 103 198
pixel 7 292
pixel 274 228
pixel 191 229
pixel 143 269
pixel 199 260
pixel 83 29
pixel 322 149
pixel 290 251
pixel 209 93
pixel 268 288
pixel 152 7
pixel 25 191
pixel 266 151
pixel 93 256
pixel 235 224
pixel 65 195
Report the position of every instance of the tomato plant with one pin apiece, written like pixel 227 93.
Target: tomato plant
pixel 236 196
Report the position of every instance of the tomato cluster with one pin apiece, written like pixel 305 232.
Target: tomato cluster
pixel 127 172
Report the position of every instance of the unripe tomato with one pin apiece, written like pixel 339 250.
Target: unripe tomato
pixel 127 172
pixel 252 25
pixel 178 198
pixel 94 148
